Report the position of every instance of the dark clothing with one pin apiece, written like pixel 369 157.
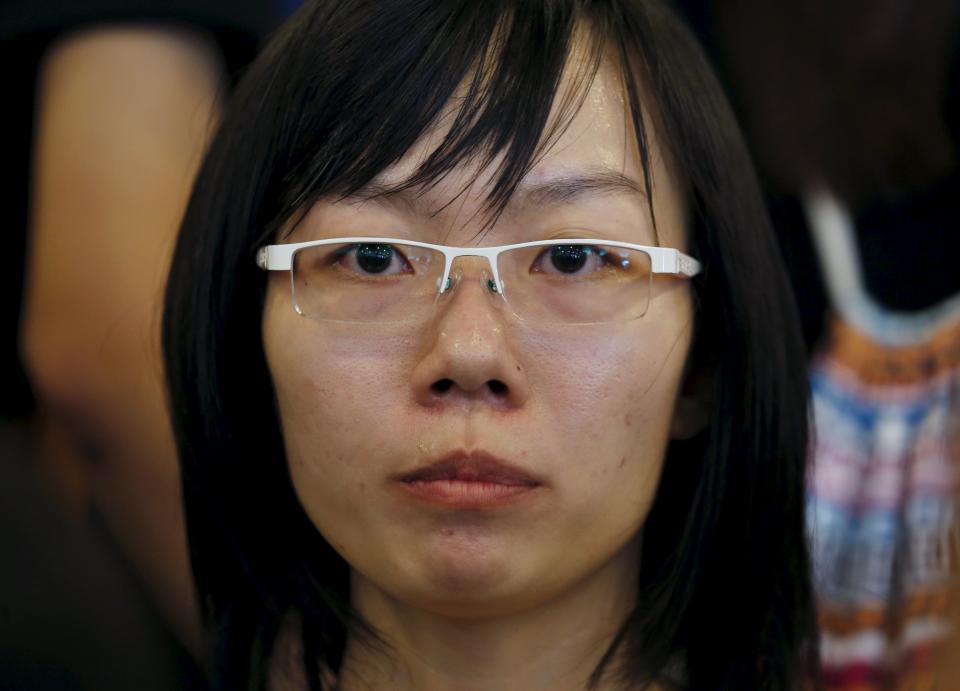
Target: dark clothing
pixel 72 616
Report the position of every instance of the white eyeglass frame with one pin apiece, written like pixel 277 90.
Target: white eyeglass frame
pixel 663 260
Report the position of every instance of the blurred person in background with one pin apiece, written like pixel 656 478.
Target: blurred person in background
pixel 851 110
pixel 109 106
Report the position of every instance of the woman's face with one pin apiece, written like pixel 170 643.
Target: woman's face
pixel 580 414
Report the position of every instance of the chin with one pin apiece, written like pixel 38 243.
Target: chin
pixel 467 577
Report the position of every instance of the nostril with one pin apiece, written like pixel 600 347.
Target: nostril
pixel 441 385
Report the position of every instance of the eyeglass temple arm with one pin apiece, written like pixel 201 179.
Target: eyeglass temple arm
pixel 666 260
pixel 686 265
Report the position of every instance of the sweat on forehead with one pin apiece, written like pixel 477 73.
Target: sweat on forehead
pixel 505 104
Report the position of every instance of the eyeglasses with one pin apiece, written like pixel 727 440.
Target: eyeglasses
pixel 386 280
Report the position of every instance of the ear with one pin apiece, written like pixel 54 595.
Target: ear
pixel 691 413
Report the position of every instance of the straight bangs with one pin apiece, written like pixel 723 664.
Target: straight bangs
pixel 486 75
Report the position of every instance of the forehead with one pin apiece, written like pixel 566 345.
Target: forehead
pixel 587 152
pixel 587 128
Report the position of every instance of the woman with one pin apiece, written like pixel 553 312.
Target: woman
pixel 519 401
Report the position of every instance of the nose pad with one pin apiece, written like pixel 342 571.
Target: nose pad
pixel 453 280
pixel 492 289
pixel 487 282
pixel 456 273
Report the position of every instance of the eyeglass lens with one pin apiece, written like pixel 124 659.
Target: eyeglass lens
pixel 381 283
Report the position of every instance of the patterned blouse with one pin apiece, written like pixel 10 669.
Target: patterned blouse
pixel 882 494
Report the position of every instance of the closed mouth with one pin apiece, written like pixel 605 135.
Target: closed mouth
pixel 469 480
pixel 478 467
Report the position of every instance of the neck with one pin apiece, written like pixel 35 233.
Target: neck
pixel 555 644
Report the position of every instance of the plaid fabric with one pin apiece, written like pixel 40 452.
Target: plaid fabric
pixel 882 503
pixel 882 499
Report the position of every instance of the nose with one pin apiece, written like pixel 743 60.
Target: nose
pixel 468 356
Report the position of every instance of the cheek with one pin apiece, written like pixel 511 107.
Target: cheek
pixel 610 394
pixel 331 392
pixel 608 405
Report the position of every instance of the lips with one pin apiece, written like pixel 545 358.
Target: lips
pixel 472 467
pixel 469 480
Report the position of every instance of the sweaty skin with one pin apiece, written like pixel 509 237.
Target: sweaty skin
pixel 521 596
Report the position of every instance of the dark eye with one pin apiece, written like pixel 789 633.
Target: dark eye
pixel 569 259
pixel 374 259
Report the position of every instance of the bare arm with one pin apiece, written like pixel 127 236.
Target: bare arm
pixel 123 115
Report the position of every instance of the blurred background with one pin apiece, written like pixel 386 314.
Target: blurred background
pixel 851 111
pixel 109 107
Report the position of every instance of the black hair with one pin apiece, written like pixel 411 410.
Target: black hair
pixel 342 92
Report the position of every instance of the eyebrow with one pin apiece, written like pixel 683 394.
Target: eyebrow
pixel 565 189
pixel 556 191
